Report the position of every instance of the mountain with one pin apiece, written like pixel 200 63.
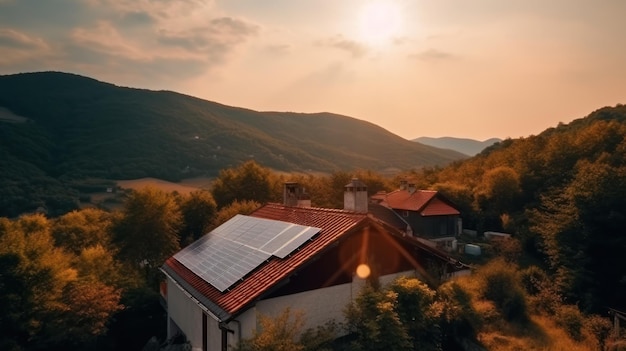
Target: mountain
pixel 58 127
pixel 468 147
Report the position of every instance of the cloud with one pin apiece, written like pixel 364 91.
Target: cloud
pixel 21 50
pixel 339 42
pixel 433 55
pixel 13 39
pixel 278 49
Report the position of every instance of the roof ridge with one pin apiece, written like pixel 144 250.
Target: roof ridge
pixel 311 208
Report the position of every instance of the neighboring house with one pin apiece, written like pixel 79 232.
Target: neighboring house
pixel 281 256
pixel 425 214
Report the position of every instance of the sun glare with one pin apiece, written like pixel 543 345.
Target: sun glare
pixel 363 271
pixel 379 22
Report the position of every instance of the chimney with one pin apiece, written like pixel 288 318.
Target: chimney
pixel 355 196
pixel 304 200
pixel 411 188
pixel 295 196
pixel 290 194
pixel 403 184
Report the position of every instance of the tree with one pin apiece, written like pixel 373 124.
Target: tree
pixel 276 334
pixel 80 229
pixel 98 264
pixel 147 232
pixel 198 213
pixel 246 182
pixel 89 306
pixel 581 228
pixel 418 312
pixel 235 208
pixel 373 320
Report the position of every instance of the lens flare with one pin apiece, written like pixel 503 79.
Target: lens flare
pixel 363 271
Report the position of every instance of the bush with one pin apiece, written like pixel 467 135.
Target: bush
pixel 500 284
pixel 600 327
pixel 571 319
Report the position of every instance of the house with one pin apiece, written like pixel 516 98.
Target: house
pixel 425 214
pixel 284 256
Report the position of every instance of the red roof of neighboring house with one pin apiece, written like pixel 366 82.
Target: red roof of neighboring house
pixel 333 223
pixel 427 202
pixel 438 207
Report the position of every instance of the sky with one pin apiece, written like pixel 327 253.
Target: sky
pixel 462 68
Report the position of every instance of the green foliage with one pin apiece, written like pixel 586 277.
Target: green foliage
pixel 458 318
pixel 248 182
pixel 235 208
pixel 375 322
pixel 147 233
pixel 276 334
pixel 198 213
pixel 78 128
pixel 499 282
pixel 285 332
pixel 418 312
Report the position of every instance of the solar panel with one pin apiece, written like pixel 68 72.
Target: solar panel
pixel 234 249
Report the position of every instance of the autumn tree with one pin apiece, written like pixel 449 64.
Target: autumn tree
pixel 285 331
pixel 249 181
pixel 198 211
pixel 374 321
pixel 80 229
pixel 43 295
pixel 418 312
pixel 147 232
pixel 235 208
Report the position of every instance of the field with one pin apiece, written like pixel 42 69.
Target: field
pixel 184 187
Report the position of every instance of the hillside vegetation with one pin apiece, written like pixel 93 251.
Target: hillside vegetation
pixel 562 193
pixel 57 128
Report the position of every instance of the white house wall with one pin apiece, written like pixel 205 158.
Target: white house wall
pixel 186 313
pixel 320 306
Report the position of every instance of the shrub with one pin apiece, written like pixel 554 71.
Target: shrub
pixel 571 319
pixel 600 327
pixel 500 284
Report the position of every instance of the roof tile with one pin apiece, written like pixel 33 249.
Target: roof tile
pixel 334 224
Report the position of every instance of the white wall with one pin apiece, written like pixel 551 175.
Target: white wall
pixel 320 306
pixel 185 313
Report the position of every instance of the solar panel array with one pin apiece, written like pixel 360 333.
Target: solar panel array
pixel 234 249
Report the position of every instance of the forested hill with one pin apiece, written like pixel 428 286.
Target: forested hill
pixel 563 192
pixel 76 127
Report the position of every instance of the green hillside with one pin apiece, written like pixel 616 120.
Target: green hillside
pixel 56 128
pixel 563 194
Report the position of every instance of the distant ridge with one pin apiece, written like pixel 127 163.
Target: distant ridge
pixel 468 147
pixel 59 128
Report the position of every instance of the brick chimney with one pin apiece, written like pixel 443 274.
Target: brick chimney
pixel 295 196
pixel 355 196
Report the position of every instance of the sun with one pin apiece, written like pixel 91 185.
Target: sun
pixel 379 22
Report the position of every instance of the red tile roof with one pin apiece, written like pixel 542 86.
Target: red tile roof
pixel 334 224
pixel 427 202
pixel 438 207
